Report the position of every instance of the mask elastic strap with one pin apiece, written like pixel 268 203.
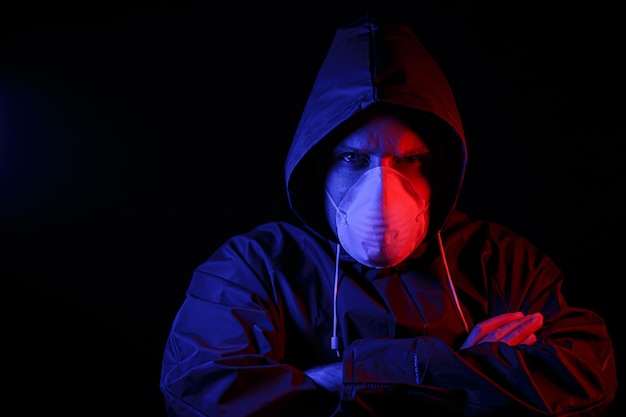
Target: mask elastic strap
pixel 445 264
pixel 345 219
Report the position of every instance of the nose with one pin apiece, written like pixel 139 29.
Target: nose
pixel 385 161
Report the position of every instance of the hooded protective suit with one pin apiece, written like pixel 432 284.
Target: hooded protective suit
pixel 261 309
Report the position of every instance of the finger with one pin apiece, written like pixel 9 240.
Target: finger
pixel 516 331
pixel 484 328
pixel 500 320
pixel 530 340
pixel 513 332
pixel 521 329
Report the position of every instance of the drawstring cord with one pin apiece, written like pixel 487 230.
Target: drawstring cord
pixel 445 264
pixel 334 340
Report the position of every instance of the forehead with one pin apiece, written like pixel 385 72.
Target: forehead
pixel 384 134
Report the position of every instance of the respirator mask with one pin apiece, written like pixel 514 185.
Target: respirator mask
pixel 380 221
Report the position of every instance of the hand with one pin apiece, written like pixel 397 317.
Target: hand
pixel 510 328
pixel 329 377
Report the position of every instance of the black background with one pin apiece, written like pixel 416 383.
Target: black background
pixel 136 136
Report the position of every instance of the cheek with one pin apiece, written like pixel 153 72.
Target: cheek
pixel 336 190
pixel 422 186
pixel 337 185
pixel 330 212
pixel 419 181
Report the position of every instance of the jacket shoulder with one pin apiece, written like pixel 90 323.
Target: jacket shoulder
pixel 254 260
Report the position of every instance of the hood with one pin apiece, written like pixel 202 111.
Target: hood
pixel 372 65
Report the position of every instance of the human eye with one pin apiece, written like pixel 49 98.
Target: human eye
pixel 354 159
pixel 417 158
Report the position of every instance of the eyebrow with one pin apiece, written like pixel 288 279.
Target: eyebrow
pixel 418 150
pixel 413 151
pixel 342 147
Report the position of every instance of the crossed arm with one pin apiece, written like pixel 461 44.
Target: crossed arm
pixel 510 328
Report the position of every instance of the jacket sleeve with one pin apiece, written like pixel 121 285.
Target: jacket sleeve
pixel 224 353
pixel 569 371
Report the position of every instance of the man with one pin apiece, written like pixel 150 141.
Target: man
pixel 386 300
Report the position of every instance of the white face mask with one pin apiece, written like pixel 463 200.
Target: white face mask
pixel 380 220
